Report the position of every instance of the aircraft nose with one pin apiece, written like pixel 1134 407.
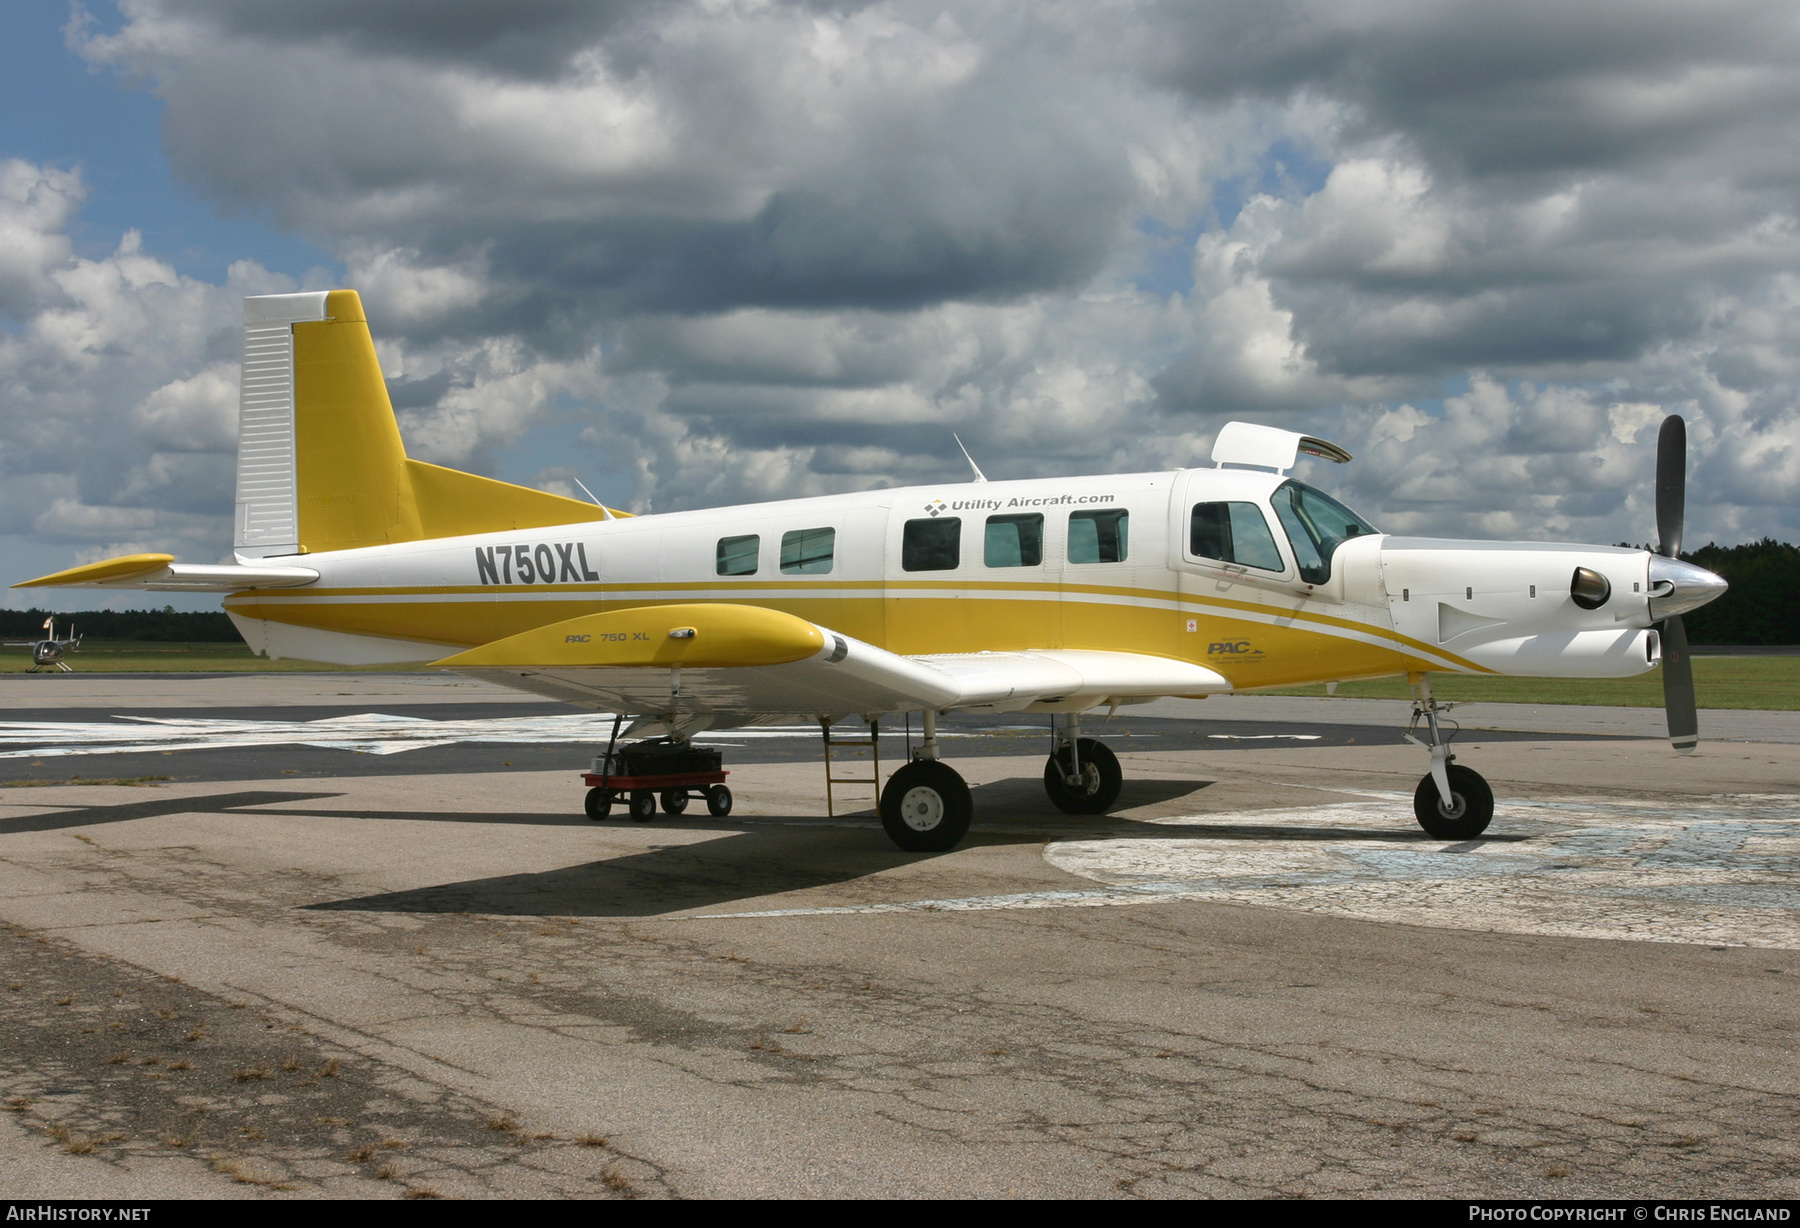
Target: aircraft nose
pixel 1677 587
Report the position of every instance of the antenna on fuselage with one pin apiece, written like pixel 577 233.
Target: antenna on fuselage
pixel 979 475
pixel 605 511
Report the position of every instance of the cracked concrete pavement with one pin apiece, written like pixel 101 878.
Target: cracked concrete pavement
pixel 472 951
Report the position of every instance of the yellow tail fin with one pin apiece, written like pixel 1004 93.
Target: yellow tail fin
pixel 321 465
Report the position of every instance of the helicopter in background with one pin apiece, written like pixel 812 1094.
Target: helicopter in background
pixel 47 653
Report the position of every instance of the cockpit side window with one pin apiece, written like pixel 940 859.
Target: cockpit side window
pixel 1233 533
pixel 1316 526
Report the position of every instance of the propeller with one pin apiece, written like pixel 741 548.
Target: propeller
pixel 1671 510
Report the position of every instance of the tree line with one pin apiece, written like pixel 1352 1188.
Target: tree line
pixel 167 625
pixel 1763 606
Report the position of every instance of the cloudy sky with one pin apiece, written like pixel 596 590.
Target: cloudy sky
pixel 695 253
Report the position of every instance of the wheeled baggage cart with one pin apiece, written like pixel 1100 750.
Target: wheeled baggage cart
pixel 673 772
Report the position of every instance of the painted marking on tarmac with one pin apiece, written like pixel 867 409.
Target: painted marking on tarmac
pixel 1723 871
pixel 371 733
pixel 1265 737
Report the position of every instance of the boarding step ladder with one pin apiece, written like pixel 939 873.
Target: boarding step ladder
pixel 851 749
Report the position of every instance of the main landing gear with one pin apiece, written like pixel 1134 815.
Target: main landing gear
pixel 1082 775
pixel 1452 802
pixel 925 807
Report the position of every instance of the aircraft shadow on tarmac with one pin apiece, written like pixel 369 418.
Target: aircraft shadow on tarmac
pixel 779 855
pixel 750 857
pixel 215 803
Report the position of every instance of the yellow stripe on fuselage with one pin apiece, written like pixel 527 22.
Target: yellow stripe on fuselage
pixel 1252 645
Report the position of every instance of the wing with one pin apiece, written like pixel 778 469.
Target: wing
pixel 160 573
pixel 731 663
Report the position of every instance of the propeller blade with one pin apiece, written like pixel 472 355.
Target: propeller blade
pixel 1671 485
pixel 1678 688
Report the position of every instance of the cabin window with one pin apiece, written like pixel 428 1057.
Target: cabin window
pixel 737 555
pixel 932 545
pixel 807 552
pixel 1098 537
pixel 1234 532
pixel 1014 541
pixel 1316 526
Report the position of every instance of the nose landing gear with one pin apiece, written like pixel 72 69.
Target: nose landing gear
pixel 1452 802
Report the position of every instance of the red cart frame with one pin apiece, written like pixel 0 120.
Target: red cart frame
pixel 675 789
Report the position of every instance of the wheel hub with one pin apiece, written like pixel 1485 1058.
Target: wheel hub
pixel 922 809
pixel 1086 783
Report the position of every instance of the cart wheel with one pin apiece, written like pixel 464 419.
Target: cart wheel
pixel 643 805
pixel 599 804
pixel 674 800
pixel 718 800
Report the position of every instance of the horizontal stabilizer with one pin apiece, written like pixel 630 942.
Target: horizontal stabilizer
pixel 711 660
pixel 160 573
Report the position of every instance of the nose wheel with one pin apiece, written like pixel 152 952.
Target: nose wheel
pixel 1470 810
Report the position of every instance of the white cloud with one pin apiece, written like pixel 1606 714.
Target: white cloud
pixel 196 414
pixel 767 249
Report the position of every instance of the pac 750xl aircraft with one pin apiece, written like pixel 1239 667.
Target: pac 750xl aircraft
pixel 1054 595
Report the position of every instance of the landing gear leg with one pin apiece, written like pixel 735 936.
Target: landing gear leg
pixel 1082 776
pixel 926 807
pixel 1452 802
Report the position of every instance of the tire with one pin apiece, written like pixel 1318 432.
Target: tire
pixel 643 805
pixel 1100 784
pixel 674 801
pixel 1473 812
pixel 598 804
pixel 926 808
pixel 718 801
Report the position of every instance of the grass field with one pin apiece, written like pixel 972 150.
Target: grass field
pixel 1719 682
pixel 1769 682
pixel 147 657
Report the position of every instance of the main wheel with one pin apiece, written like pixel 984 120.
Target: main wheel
pixel 598 804
pixel 674 800
pixel 643 805
pixel 1468 817
pixel 718 801
pixel 1100 780
pixel 925 807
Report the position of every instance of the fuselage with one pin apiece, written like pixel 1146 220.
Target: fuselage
pixel 1240 570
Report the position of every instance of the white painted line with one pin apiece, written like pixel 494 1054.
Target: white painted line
pixel 1266 737
pixel 371 733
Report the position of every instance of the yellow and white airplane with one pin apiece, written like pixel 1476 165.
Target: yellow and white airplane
pixel 1051 595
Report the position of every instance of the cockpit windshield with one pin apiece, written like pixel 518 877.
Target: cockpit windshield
pixel 1316 525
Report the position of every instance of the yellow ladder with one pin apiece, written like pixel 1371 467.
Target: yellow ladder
pixel 871 744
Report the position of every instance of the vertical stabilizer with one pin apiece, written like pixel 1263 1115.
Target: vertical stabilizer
pixel 321 465
pixel 353 488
